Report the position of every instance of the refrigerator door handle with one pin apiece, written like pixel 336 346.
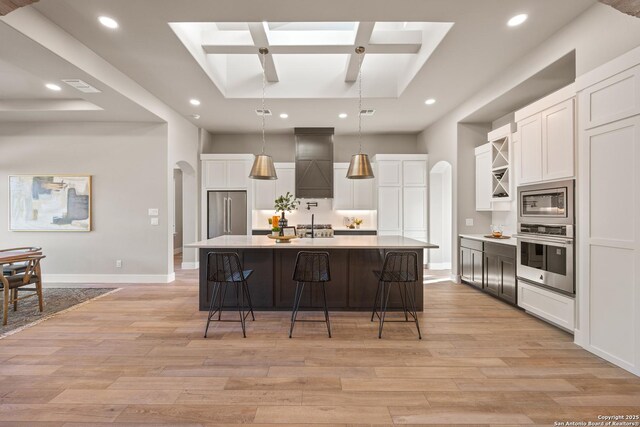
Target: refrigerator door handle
pixel 224 222
pixel 229 216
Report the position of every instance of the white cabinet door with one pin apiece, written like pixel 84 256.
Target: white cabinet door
pixel 342 189
pixel 215 174
pixel 286 182
pixel 363 197
pixel 530 149
pixel 389 172
pixel 390 209
pixel 414 173
pixel 558 141
pixel 264 194
pixel 483 181
pixel 415 208
pixel 237 174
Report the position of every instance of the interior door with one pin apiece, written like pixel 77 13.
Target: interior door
pixel 237 213
pixel 217 214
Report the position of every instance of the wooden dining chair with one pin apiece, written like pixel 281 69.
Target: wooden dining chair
pixel 11 285
pixel 18 267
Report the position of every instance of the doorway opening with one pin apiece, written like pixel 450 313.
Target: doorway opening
pixel 440 219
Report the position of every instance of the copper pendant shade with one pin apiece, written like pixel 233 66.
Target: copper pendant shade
pixel 360 166
pixel 263 167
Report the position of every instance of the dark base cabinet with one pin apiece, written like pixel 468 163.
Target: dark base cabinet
pixel 352 287
pixel 490 267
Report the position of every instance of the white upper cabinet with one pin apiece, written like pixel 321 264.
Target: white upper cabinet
pixel 226 171
pixel 547 138
pixel 483 178
pixel 530 149
pixel 414 173
pixel 266 191
pixel 351 194
pixel 557 141
pixel 389 172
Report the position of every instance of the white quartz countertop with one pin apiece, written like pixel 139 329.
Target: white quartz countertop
pixel 338 242
pixel 511 242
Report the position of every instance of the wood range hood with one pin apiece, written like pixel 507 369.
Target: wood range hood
pixel 314 163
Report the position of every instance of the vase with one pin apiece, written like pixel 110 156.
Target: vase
pixel 283 222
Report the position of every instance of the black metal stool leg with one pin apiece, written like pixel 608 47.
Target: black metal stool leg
pixel 375 301
pixel 240 305
pixel 326 311
pixel 245 287
pixel 413 307
pixel 296 306
pixel 223 294
pixel 214 292
pixel 402 288
pixel 384 308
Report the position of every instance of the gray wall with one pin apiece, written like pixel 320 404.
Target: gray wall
pixel 282 146
pixel 128 162
pixel 177 195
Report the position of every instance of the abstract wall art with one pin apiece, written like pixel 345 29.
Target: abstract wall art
pixel 50 203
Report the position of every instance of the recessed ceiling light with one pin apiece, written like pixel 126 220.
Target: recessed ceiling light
pixel 284 115
pixel 108 22
pixel 342 115
pixel 194 102
pixel 517 20
pixel 52 86
pixel 430 101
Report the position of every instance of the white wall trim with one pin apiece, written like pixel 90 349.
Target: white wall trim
pixel 439 266
pixel 108 278
pixel 190 265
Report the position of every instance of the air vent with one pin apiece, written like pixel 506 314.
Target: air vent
pixel 81 86
pixel 365 112
pixel 261 112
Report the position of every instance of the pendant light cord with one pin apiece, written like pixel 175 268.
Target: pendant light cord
pixel 264 84
pixel 360 102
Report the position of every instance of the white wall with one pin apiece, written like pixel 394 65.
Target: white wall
pixel 598 35
pixel 128 164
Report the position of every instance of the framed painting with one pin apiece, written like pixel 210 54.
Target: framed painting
pixel 50 203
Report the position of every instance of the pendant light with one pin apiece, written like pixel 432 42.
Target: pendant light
pixel 263 164
pixel 360 167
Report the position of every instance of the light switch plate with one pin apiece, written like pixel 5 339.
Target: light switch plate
pixel 469 222
pixel 154 221
pixel 153 212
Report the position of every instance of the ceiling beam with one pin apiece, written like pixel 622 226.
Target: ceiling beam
pixel 317 49
pixel 363 36
pixel 259 36
pixel 7 6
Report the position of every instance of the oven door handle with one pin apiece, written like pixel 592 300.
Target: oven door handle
pixel 524 238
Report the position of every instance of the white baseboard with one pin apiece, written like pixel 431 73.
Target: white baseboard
pixel 439 266
pixel 108 278
pixel 190 265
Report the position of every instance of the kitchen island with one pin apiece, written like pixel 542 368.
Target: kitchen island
pixel 353 258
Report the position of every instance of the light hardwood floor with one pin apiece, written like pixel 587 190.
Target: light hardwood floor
pixel 137 356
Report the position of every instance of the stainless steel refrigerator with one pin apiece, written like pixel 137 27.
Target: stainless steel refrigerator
pixel 227 213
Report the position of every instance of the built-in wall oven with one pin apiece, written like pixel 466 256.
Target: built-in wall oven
pixel 546 230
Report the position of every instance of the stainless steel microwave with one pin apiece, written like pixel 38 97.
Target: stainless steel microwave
pixel 547 203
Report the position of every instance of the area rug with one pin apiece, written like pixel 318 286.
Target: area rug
pixel 56 301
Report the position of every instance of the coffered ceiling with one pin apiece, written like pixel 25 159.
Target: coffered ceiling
pixel 465 44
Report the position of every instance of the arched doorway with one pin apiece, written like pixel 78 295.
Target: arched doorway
pixel 440 216
pixel 185 211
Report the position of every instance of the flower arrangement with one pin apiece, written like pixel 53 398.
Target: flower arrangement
pixel 286 203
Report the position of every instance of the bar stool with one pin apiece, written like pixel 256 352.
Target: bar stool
pixel 399 268
pixel 224 269
pixel 312 268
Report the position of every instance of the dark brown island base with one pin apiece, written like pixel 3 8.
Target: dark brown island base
pixel 352 259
